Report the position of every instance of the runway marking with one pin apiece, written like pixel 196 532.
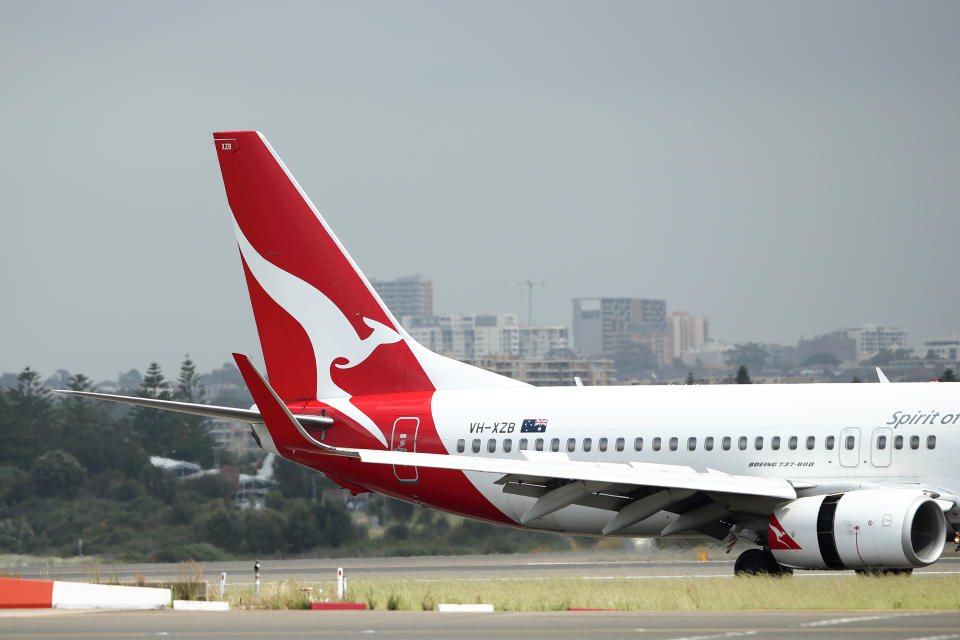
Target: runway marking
pixel 729 634
pixel 947 637
pixel 835 621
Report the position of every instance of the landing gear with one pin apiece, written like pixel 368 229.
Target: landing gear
pixel 756 562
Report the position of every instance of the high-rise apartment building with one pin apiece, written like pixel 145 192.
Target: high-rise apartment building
pixel 537 342
pixel 407 296
pixel 687 332
pixel 466 336
pixel 606 325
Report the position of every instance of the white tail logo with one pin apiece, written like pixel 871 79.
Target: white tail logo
pixel 330 333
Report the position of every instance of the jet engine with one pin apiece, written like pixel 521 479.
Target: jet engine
pixel 865 529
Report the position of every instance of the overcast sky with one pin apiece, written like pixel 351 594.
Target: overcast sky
pixel 782 168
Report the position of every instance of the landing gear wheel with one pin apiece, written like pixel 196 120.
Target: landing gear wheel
pixel 756 562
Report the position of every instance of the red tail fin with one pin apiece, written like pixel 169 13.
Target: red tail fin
pixel 325 332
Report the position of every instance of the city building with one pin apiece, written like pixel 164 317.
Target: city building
pixel 687 333
pixel 942 349
pixel 233 436
pixel 466 336
pixel 854 344
pixel 606 325
pixel 537 342
pixel 710 355
pixel 836 343
pixel 406 296
pixel 549 372
pixel 871 339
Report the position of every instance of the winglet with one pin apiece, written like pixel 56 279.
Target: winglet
pixel 882 377
pixel 285 430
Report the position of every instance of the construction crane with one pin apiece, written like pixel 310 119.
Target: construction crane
pixel 530 285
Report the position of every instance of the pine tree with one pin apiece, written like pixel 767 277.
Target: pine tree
pixel 690 379
pixel 743 376
pixel 948 376
pixel 154 427
pixel 31 428
pixel 194 441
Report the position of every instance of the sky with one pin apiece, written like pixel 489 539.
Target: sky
pixel 785 169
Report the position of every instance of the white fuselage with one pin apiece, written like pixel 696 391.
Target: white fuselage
pixel 838 436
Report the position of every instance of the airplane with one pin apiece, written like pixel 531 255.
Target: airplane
pixel 815 476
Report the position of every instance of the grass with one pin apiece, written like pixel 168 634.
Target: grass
pixel 680 594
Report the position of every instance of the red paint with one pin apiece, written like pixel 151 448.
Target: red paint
pixel 778 538
pixel 25 594
pixel 338 606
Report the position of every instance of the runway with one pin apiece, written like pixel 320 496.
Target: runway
pixel 589 566
pixel 876 625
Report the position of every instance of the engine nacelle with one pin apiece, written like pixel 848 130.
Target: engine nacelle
pixel 866 529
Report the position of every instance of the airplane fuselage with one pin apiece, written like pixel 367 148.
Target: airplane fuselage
pixel 834 437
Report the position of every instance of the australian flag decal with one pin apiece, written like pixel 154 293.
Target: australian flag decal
pixel 533 426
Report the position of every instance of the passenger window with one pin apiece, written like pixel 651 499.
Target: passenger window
pixel 555 445
pixel 571 444
pixel 931 442
pixel 691 444
pixel 811 442
pixel 476 446
pixel 538 444
pixel 914 442
pixel 775 443
pixel 602 445
pixel 656 443
pixel 898 442
pixel 758 443
pixel 587 444
pixel 708 443
pixel 619 444
pixel 638 444
pixel 674 443
pixel 523 444
pixel 881 442
pixel 725 443
pixel 829 442
pixel 461 445
pixel 850 443
pixel 491 445
pixel 742 443
pixel 507 445
pixel 792 443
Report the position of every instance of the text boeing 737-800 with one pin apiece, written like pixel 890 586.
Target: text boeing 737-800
pixel 838 476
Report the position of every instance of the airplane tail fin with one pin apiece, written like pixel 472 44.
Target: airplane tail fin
pixel 324 331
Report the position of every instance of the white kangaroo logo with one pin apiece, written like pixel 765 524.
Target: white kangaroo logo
pixel 330 332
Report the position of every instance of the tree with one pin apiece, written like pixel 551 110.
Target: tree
pixel 30 424
pixel 856 379
pixel 690 379
pixel 634 359
pixel 948 376
pixel 750 355
pixel 192 433
pixel 886 356
pixel 822 358
pixel 94 438
pixel 743 376
pixel 57 473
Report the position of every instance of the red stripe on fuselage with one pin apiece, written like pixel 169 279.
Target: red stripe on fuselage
pixel 438 488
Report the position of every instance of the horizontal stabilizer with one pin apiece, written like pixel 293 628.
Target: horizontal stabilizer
pixel 206 410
